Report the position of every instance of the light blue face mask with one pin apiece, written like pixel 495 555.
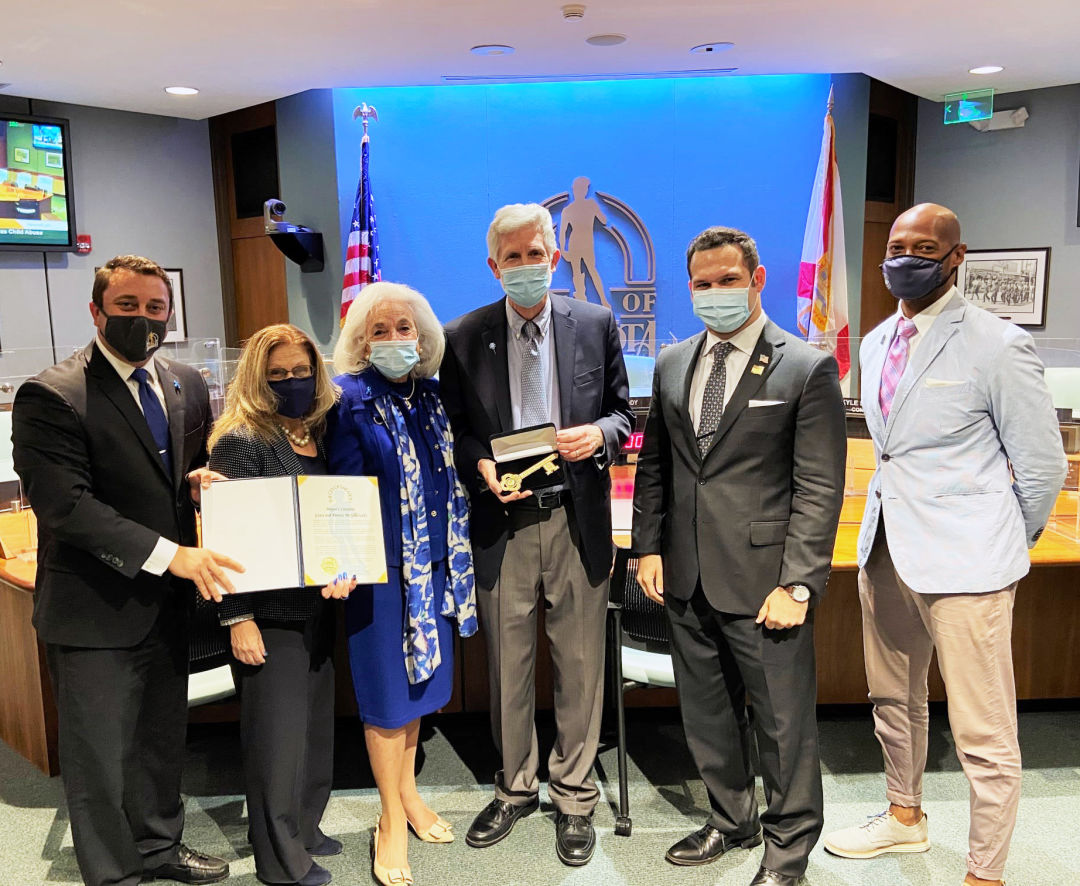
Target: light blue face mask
pixel 722 310
pixel 394 359
pixel 526 285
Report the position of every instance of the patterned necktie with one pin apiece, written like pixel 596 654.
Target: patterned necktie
pixel 155 416
pixel 895 363
pixel 712 402
pixel 534 408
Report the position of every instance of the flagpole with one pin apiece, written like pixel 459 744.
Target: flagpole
pixel 365 111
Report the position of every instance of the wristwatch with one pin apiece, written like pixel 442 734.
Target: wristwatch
pixel 799 593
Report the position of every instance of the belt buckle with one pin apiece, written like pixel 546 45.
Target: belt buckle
pixel 547 500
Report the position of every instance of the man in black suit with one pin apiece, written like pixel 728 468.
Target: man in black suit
pixel 525 360
pixel 737 496
pixel 110 445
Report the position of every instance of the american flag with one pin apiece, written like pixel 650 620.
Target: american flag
pixel 362 254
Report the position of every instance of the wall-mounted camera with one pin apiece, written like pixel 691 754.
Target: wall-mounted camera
pixel 298 243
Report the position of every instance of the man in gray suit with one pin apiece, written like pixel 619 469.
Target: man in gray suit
pixel 969 465
pixel 738 491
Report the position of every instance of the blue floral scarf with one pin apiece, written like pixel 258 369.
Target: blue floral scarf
pixel 421 635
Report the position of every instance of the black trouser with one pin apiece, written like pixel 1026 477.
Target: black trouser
pixel 719 660
pixel 287 735
pixel 122 723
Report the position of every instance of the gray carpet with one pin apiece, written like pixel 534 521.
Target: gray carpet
pixel 667 801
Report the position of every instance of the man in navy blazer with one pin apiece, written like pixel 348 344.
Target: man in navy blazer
pixel 110 445
pixel 528 359
pixel 969 465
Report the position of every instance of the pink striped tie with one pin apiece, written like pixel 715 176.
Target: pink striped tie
pixel 895 363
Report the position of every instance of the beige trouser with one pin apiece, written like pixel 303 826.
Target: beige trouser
pixel 972 634
pixel 542 567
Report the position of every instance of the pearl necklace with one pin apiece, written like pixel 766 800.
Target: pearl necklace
pixel 298 441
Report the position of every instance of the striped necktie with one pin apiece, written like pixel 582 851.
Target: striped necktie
pixel 895 363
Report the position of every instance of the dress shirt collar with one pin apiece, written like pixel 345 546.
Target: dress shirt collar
pixel 516 321
pixel 926 317
pixel 744 340
pixel 123 368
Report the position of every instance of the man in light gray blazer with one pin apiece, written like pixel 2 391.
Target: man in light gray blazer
pixel 969 464
pixel 737 495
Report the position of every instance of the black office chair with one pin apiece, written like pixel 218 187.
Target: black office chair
pixel 638 646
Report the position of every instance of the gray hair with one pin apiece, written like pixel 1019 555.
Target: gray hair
pixel 354 335
pixel 718 237
pixel 515 217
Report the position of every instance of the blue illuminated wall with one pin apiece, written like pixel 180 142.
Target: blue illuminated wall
pixel 680 153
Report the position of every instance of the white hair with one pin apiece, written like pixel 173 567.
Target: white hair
pixel 354 336
pixel 515 217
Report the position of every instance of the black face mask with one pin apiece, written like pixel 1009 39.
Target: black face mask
pixel 294 396
pixel 133 338
pixel 911 277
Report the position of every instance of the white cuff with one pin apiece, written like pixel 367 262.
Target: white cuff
pixel 161 556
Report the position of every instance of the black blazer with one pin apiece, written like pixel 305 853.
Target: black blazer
pixel 239 454
pixel 102 497
pixel 593 389
pixel 761 509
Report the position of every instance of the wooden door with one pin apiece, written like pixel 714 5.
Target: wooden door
pixel 244 152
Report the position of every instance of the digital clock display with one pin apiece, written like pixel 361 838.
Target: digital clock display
pixel 633 444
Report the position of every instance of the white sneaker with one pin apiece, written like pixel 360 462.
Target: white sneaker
pixel 882 833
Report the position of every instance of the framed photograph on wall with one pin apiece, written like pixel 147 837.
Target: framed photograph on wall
pixel 177 327
pixel 1012 283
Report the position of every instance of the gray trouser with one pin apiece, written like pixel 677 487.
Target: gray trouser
pixel 542 562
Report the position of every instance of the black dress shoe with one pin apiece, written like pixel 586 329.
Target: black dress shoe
pixel 191 867
pixel 765 877
pixel 317 875
pixel 575 838
pixel 496 820
pixel 328 846
pixel 707 845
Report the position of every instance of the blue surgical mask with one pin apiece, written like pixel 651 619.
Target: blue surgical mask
pixel 526 285
pixel 910 277
pixel 294 396
pixel 394 359
pixel 722 310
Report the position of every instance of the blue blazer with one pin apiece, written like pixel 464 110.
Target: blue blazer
pixel 358 443
pixel 970 462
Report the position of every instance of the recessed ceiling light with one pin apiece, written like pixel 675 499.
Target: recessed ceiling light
pixel 605 39
pixel 712 47
pixel 986 69
pixel 181 90
pixel 492 49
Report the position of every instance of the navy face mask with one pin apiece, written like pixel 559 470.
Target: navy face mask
pixel 910 277
pixel 294 396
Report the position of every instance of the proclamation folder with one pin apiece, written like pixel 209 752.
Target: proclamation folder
pixel 292 532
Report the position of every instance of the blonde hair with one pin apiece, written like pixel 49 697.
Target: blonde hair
pixel 250 404
pixel 349 352
pixel 515 217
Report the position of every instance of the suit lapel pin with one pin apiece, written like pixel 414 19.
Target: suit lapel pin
pixel 757 370
pixel 176 386
pixel 492 345
pixel 764 358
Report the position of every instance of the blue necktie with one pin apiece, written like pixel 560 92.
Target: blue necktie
pixel 155 416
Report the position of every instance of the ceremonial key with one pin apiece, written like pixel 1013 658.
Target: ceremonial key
pixel 512 482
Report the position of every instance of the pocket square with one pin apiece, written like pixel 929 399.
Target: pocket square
pixel 754 403
pixel 944 382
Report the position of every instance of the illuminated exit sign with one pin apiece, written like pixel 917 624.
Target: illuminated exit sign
pixel 967 107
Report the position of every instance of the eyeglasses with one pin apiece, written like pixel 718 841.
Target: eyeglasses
pixel 302 371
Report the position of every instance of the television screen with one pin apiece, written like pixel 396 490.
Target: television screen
pixel 36 211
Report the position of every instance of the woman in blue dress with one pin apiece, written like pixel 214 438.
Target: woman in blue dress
pixel 390 423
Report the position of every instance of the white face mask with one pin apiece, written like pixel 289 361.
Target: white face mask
pixel 526 285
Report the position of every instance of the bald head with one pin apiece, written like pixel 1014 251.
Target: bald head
pixel 930 220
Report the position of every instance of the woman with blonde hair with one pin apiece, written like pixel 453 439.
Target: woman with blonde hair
pixel 390 423
pixel 272 426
